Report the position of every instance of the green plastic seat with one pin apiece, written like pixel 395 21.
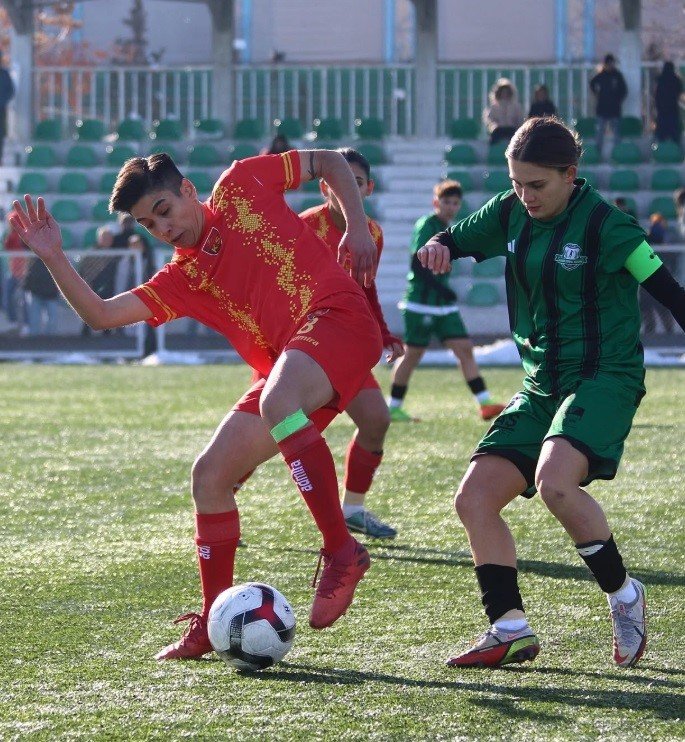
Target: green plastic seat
pixel 371 209
pixel 626 153
pixel 586 126
pixel 497 180
pixel 624 180
pixel 631 204
pixel 465 129
pixel 82 155
pixel 32 183
pixel 203 155
pixel 630 126
pixel 66 210
pixel 309 203
pixel 663 205
pixel 248 129
pixel 68 239
pixel 665 179
pixel 290 128
pixel 48 130
pixel 328 128
pixel 591 155
pixel 241 151
pixel 90 130
pixel 73 183
pixel 369 128
pixel 107 181
pixel 483 295
pixel 100 211
pixel 373 152
pixel 492 268
pixel 463 177
pixel 165 148
pixel 90 238
pixel 40 155
pixel 591 177
pixel 201 180
pixel 667 153
pixel 167 130
pixel 117 154
pixel 213 128
pixel 131 130
pixel 495 154
pixel 460 154
pixel 311 186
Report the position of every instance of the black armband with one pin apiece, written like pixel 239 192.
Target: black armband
pixel 445 239
pixel 667 291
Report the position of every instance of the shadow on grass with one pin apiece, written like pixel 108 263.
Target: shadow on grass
pixel 663 705
pixel 420 555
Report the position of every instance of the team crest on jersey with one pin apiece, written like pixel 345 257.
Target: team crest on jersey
pixel 212 243
pixel 570 257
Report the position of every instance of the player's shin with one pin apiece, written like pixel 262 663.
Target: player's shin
pixel 360 467
pixel 216 538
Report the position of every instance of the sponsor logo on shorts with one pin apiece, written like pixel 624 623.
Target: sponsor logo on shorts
pixel 570 257
pixel 574 413
pixel 506 423
pixel 300 477
pixel 204 552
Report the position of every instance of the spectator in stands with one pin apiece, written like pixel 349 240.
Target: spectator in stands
pixel 279 144
pixel 6 95
pixel 667 97
pixel 504 114
pixel 12 293
pixel 650 308
pixel 41 297
pixel 99 271
pixel 610 90
pixel 622 204
pixel 542 104
pixel 679 201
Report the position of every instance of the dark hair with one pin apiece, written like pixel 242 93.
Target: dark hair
pixel 447 188
pixel 679 197
pixel 609 59
pixel 352 156
pixel 142 175
pixel 545 141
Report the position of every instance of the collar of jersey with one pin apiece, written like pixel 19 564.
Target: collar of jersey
pixel 583 188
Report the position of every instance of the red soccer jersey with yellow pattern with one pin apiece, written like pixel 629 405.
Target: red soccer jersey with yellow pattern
pixel 320 220
pixel 256 270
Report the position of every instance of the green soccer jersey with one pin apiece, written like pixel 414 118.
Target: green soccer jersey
pixel 573 308
pixel 424 288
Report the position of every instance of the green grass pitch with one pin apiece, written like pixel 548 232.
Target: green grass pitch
pixel 98 559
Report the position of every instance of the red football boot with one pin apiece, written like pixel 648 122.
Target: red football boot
pixel 488 411
pixel 193 644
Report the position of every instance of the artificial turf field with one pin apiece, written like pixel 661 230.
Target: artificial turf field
pixel 98 559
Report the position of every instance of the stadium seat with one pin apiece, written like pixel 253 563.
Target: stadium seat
pixel 483 295
pixel 630 126
pixel 495 154
pixel 463 177
pixel 32 183
pixel 167 149
pixel 48 130
pixel 460 154
pixel 631 205
pixel 586 126
pixel 665 179
pixel 495 181
pixel 590 154
pixel 309 203
pixel 667 153
pixel 201 180
pixel 73 183
pixel 240 152
pixel 209 128
pixel 82 155
pixel 379 186
pixel 40 155
pixel 118 154
pixel 328 128
pixel 131 130
pixel 248 129
pixel 100 211
pixel 465 129
pixel 492 268
pixel 371 209
pixel 89 130
pixel 68 240
pixel 624 180
pixel 369 128
pixel 663 205
pixel 373 152
pixel 310 186
pixel 591 177
pixel 90 237
pixel 203 155
pixel 66 210
pixel 167 130
pixel 107 181
pixel 626 153
pixel 290 128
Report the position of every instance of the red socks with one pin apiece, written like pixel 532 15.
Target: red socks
pixel 216 536
pixel 312 468
pixel 360 466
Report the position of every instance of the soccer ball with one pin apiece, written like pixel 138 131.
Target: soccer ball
pixel 251 626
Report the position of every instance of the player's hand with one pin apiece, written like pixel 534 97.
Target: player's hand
pixel 435 257
pixel 37 228
pixel 395 348
pixel 363 253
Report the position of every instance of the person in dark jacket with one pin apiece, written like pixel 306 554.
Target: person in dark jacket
pixel 610 90
pixel 6 95
pixel 542 104
pixel 41 299
pixel 667 95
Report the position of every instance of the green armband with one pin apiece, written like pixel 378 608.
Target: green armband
pixel 290 425
pixel 642 262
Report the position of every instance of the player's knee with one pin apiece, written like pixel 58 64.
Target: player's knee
pixel 550 489
pixel 206 481
pixel 467 501
pixel 375 427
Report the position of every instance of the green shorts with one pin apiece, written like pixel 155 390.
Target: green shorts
pixel 595 418
pixel 419 328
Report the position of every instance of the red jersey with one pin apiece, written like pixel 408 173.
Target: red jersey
pixel 256 270
pixel 320 220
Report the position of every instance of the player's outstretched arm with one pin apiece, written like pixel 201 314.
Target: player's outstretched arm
pixel 357 240
pixel 40 232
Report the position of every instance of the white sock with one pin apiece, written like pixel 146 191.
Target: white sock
pixel 349 510
pixel 392 402
pixel 626 593
pixel 510 624
pixel 483 397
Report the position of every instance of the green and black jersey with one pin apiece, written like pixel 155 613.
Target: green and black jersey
pixel 573 307
pixel 425 290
